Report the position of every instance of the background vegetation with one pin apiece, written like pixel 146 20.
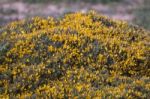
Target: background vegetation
pixel 143 15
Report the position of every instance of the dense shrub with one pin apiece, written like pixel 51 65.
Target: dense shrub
pixel 78 56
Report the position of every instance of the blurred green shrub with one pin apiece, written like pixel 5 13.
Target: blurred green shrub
pixel 143 15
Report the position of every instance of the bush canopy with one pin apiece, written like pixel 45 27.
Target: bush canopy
pixel 78 56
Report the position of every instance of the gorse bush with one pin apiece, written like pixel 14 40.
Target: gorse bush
pixel 77 56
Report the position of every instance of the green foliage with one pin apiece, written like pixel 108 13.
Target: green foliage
pixel 78 56
pixel 142 15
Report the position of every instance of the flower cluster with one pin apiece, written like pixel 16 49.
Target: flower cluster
pixel 77 56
